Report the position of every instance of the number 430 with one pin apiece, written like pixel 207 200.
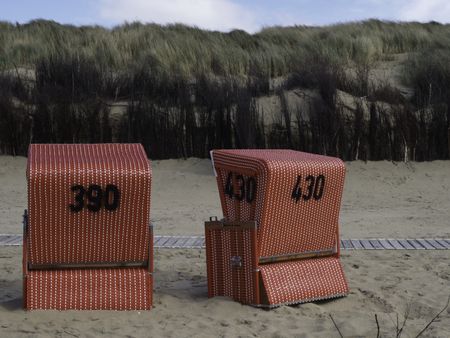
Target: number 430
pixel 315 187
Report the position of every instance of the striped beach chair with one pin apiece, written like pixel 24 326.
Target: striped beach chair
pixel 279 240
pixel 87 240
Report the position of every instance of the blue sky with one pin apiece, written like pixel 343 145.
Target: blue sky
pixel 250 15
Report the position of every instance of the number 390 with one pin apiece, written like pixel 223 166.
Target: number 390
pixel 96 197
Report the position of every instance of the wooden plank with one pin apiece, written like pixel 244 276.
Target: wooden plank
pixel 157 240
pixel 170 243
pixel 181 242
pixel 357 244
pixel 436 244
pixel 346 244
pixel 4 238
pixel 443 243
pixel 415 244
pixel 395 244
pixel 385 244
pixel 176 241
pixel 405 244
pixel 15 242
pixel 425 244
pixel 366 244
pixel 163 241
pixel 199 242
pixel 190 242
pixel 10 240
pixel 376 244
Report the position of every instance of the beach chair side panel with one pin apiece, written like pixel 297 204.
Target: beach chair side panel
pixel 231 261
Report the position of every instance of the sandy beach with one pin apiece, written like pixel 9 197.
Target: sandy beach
pixel 381 200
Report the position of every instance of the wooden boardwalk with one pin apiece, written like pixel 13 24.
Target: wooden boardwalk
pixel 198 242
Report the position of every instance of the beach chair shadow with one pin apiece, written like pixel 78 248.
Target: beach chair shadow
pixel 13 304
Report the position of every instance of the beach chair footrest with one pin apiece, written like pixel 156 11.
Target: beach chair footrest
pixel 302 281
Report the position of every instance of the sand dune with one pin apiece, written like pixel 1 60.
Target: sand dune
pixel 381 199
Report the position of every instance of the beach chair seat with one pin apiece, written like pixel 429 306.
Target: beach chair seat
pixel 88 243
pixel 279 240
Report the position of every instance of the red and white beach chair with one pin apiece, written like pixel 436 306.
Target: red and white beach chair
pixel 279 240
pixel 87 240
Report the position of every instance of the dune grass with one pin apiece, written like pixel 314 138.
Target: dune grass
pixel 189 51
pixel 189 90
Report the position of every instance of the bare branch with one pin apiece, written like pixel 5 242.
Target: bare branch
pixel 378 326
pixel 335 325
pixel 434 318
pixel 397 328
pixel 399 331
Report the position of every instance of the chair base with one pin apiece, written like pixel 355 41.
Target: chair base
pixel 88 289
pixel 235 270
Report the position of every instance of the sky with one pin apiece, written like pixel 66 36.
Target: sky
pixel 223 15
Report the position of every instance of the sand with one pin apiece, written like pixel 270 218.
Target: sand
pixel 381 199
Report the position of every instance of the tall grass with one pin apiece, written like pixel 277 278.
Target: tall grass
pixel 188 51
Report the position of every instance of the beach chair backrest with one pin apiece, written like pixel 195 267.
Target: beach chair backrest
pixel 88 204
pixel 293 196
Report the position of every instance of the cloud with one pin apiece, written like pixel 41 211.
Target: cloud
pixel 221 15
pixel 426 10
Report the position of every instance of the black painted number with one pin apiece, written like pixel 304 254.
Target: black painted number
pixel 241 184
pixel 246 187
pixel 318 187
pixel 251 190
pixel 315 186
pixel 112 197
pixel 78 198
pixel 96 198
pixel 311 180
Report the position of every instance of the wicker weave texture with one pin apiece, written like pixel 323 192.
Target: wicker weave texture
pixel 89 289
pixel 228 278
pixel 286 225
pixel 304 280
pixel 59 235
pixel 294 198
pixel 69 243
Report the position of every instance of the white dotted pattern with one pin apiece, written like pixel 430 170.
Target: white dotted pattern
pixel 304 280
pixel 284 225
pixel 57 236
pixel 89 289
pixel 223 278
